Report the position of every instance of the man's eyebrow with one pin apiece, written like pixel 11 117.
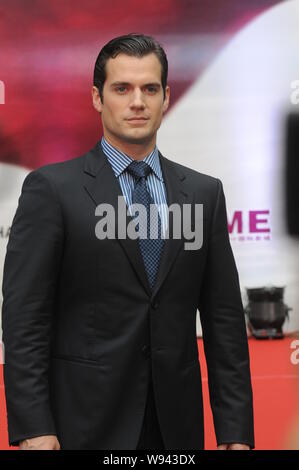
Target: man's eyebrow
pixel 156 84
pixel 119 83
pixel 114 84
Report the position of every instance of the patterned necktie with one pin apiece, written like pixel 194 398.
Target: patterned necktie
pixel 151 248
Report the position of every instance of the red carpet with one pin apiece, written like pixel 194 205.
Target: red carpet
pixel 275 382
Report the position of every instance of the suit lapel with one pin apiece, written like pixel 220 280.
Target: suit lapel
pixel 176 193
pixel 103 187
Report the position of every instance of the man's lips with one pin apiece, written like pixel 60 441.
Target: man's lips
pixel 137 118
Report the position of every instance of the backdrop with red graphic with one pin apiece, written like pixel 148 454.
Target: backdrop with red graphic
pixel 231 69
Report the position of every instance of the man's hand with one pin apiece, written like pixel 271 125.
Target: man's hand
pixel 233 447
pixel 40 443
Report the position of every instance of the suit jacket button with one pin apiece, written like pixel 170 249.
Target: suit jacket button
pixel 155 304
pixel 146 350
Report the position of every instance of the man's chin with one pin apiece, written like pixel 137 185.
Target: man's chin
pixel 138 138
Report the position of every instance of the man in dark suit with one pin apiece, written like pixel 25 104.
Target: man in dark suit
pixel 100 333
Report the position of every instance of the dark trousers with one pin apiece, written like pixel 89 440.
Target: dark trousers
pixel 150 436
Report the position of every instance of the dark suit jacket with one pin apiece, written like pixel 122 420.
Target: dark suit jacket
pixel 80 323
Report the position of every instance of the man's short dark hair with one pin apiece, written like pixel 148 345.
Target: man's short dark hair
pixel 133 44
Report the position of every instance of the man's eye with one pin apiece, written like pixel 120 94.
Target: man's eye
pixel 151 89
pixel 121 89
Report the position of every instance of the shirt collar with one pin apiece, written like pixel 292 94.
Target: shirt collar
pixel 120 161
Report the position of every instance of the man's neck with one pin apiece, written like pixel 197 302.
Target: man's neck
pixel 135 151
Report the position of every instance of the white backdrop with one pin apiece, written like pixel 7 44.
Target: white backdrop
pixel 231 125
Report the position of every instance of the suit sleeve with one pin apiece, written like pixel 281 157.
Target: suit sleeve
pixel 30 274
pixel 224 336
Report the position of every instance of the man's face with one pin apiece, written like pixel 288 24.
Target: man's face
pixel 133 100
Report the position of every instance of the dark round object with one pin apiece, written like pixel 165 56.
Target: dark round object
pixel 266 311
pixel 262 294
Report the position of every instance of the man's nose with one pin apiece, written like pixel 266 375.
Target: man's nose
pixel 137 99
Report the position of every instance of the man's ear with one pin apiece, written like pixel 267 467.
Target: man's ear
pixel 166 99
pixel 96 99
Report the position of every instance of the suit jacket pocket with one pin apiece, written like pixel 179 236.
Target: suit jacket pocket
pixel 76 360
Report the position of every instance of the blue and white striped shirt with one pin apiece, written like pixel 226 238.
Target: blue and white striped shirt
pixel 154 181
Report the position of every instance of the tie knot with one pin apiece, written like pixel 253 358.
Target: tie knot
pixel 139 169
